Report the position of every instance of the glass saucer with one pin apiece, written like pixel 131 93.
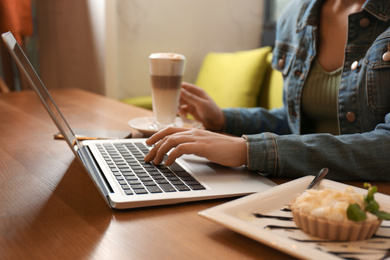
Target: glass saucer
pixel 148 126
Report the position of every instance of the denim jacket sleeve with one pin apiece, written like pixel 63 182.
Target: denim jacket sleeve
pixel 241 121
pixel 276 145
pixel 363 156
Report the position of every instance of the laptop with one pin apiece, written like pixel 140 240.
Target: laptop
pixel 121 175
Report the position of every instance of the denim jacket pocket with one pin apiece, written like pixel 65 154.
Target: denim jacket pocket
pixel 282 58
pixel 378 75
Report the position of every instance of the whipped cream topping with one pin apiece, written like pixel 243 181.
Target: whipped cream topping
pixel 166 64
pixel 329 204
pixel 167 55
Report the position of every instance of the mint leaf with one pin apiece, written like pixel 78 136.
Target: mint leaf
pixel 370 194
pixel 381 214
pixel 355 213
pixel 372 206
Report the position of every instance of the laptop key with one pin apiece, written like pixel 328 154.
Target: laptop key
pixel 156 175
pixel 162 181
pixel 140 191
pixel 119 178
pixel 177 183
pixel 188 178
pixel 167 187
pixel 173 178
pixel 125 187
pixel 183 174
pixel 131 178
pixel 154 189
pixel 182 187
pixel 146 179
pixel 134 182
pixel 117 174
pixel 197 187
pixel 129 192
pixel 192 182
pixel 175 167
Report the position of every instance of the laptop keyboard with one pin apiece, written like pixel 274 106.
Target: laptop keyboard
pixel 135 176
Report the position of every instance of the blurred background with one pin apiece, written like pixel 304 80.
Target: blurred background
pixel 103 45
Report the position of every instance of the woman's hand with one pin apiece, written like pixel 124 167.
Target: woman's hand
pixel 219 148
pixel 195 101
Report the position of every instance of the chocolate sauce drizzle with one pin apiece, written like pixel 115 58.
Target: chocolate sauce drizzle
pixel 364 249
pixel 280 227
pixel 258 215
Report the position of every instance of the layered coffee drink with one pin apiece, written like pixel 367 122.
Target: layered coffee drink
pixel 166 71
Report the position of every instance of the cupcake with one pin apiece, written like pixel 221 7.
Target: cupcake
pixel 338 215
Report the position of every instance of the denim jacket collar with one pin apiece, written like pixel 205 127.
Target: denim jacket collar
pixel 378 8
pixel 309 12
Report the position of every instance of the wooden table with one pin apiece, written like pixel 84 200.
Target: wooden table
pixel 50 209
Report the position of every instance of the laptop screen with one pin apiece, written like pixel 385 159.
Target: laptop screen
pixel 32 76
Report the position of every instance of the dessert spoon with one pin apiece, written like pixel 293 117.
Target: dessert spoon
pixel 323 172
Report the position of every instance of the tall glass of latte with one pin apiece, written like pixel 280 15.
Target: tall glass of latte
pixel 166 71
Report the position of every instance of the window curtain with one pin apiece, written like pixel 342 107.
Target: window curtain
pixel 16 16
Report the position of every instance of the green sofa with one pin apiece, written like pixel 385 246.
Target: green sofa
pixel 236 79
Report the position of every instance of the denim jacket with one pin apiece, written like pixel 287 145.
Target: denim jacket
pixel 277 141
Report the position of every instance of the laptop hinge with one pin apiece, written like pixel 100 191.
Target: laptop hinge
pixel 93 170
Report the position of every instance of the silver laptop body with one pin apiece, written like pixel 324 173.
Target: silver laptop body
pixel 121 186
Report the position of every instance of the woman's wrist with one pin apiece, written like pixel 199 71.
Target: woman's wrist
pixel 247 150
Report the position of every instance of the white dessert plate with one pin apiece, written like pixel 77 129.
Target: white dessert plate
pixel 146 124
pixel 275 227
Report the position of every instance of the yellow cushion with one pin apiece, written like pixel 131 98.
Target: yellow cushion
pixel 145 102
pixel 271 95
pixel 234 79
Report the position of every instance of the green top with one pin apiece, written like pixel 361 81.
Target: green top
pixel 319 99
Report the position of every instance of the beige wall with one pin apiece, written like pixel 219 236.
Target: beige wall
pixel 69 53
pixel 103 45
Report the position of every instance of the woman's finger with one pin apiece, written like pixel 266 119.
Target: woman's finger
pixel 161 134
pixel 158 152
pixel 171 143
pixel 191 98
pixel 180 150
